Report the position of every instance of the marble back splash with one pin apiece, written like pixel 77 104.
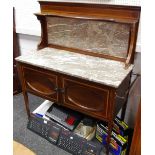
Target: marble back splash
pixel 102 37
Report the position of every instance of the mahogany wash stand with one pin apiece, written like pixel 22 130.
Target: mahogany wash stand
pixel 85 58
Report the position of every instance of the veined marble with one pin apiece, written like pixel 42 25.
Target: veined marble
pixel 100 70
pixel 102 37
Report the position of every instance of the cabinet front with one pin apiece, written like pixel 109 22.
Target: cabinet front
pixel 41 83
pixel 88 99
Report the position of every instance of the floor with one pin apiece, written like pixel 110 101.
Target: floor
pixel 19 149
pixel 24 136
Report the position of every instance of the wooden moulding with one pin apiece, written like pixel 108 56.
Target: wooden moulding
pixel 43 42
pixel 120 14
pixel 111 12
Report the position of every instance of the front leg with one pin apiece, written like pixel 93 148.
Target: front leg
pixel 26 103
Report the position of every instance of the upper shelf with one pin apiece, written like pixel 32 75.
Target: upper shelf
pixel 118 13
pixel 109 2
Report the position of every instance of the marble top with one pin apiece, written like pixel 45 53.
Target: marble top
pixel 100 70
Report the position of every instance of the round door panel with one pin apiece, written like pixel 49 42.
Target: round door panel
pixel 85 96
pixel 40 83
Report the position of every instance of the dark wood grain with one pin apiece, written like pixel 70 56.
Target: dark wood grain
pixel 91 98
pixel 43 42
pixel 79 94
pixel 120 14
pixel 135 148
pixel 88 98
pixel 41 83
pixel 16 52
pixel 132 44
pixel 109 12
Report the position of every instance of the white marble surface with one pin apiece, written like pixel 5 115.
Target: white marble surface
pixel 100 70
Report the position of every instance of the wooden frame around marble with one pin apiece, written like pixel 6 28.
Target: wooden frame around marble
pixel 120 14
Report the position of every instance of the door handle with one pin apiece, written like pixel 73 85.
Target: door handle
pixel 56 89
pixel 62 90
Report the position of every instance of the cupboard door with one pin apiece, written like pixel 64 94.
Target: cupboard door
pixel 85 98
pixel 41 83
